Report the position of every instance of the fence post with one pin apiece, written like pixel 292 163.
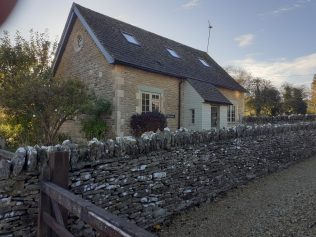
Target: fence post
pixel 57 173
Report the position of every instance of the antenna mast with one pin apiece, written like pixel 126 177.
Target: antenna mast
pixel 209 32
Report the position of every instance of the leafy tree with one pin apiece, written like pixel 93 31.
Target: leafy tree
pixel 272 105
pixel 240 75
pixel 30 97
pixel 262 98
pixel 312 102
pixel 294 100
pixel 11 133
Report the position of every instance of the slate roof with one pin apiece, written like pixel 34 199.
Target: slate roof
pixel 209 92
pixel 152 54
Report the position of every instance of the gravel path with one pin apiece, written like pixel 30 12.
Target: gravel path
pixel 281 204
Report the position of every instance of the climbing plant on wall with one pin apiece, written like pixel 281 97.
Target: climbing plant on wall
pixel 93 121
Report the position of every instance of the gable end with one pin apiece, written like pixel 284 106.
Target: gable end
pixel 73 15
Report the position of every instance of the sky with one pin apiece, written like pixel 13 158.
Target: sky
pixel 272 39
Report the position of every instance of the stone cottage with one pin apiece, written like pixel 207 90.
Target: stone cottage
pixel 139 71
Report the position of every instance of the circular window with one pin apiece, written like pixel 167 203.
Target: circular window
pixel 78 43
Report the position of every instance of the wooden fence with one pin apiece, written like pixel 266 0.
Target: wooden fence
pixel 56 202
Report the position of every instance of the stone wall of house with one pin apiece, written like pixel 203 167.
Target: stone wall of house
pixel 117 83
pixel 238 99
pixel 134 82
pixel 146 180
pixel 86 63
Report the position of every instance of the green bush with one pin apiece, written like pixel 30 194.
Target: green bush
pixel 94 128
pixel 94 123
pixel 11 134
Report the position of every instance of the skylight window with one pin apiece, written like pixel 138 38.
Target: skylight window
pixel 173 53
pixel 204 62
pixel 130 38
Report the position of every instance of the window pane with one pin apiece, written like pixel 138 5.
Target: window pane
pixel 145 102
pixel 233 113
pixel 155 102
pixel 130 38
pixel 173 53
pixel 228 113
pixel 155 107
pixel 214 114
pixel 150 102
pixel 204 62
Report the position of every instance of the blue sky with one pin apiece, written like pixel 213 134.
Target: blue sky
pixel 273 39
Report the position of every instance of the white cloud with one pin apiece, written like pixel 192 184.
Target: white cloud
pixel 190 4
pixel 284 9
pixel 298 70
pixel 245 40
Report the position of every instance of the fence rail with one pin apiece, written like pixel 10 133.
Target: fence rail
pixel 56 202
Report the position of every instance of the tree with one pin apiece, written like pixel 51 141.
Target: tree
pixel 240 75
pixel 271 105
pixel 29 95
pixel 262 98
pixel 312 102
pixel 294 100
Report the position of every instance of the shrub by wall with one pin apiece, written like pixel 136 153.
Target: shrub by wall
pixel 149 121
pixel 148 179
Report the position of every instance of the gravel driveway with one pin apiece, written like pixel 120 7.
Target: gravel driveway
pixel 281 204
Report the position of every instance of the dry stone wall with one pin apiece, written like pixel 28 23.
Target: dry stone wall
pixel 279 119
pixel 147 180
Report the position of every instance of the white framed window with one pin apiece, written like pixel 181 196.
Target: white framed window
pixel 231 113
pixel 151 102
pixel 192 116
pixel 204 62
pixel 130 38
pixel 173 53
